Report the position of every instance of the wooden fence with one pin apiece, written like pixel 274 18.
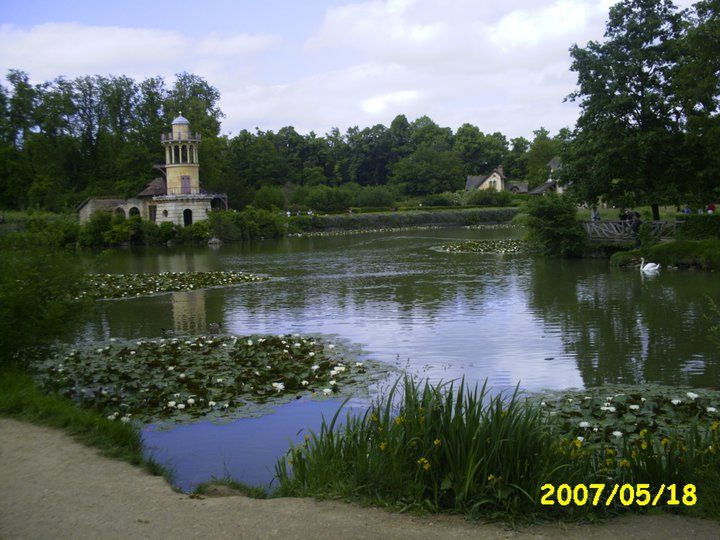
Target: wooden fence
pixel 621 231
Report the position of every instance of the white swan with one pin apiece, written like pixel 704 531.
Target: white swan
pixel 649 268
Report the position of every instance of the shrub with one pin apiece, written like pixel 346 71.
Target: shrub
pixel 488 197
pixel 37 297
pixel 374 196
pixel 327 199
pixel 447 198
pixel 699 227
pixel 553 226
pixel 92 233
pixel 269 198
pixel 704 254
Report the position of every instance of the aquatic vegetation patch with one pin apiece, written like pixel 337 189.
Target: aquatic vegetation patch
pixel 487 246
pixel 130 285
pixel 181 379
pixel 452 448
pixel 621 417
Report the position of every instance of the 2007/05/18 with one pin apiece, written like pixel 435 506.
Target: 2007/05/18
pixel 627 494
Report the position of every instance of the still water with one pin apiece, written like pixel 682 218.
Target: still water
pixel 510 319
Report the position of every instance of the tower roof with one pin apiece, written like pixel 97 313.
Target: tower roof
pixel 180 120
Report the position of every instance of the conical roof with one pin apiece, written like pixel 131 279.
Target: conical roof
pixel 180 120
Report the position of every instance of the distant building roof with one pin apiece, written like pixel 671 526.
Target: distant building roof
pixel 180 120
pixel 521 187
pixel 474 182
pixel 549 185
pixel 108 201
pixel 156 187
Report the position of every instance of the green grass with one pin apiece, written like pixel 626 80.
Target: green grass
pixel 22 400
pixel 450 448
pixel 703 254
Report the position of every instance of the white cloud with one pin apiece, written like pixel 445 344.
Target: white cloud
pixel 72 49
pixel 503 66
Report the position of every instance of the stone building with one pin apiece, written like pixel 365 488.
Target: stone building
pixel 496 180
pixel 176 197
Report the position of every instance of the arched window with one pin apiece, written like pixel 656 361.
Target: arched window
pixel 187 217
pixel 134 211
pixel 119 212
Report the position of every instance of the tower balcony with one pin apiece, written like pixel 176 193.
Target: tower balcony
pixel 168 138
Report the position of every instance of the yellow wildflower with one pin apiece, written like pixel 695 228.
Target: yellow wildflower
pixel 665 441
pixel 437 442
pixel 424 462
pixel 644 445
pixel 624 463
pixel 383 446
pixel 643 432
pixel 609 452
pixel 400 420
pixel 609 462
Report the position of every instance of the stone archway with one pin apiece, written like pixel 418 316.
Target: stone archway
pixel 134 211
pixel 119 211
pixel 187 217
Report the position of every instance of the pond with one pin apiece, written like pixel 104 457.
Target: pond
pixel 511 319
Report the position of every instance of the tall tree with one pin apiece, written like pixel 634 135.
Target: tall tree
pixel 629 129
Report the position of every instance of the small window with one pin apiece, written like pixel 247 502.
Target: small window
pixel 165 213
pixel 152 212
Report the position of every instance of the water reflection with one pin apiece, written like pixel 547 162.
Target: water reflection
pixel 621 328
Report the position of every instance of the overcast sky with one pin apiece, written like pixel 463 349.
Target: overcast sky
pixel 315 64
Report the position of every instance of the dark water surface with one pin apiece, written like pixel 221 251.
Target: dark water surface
pixel 508 318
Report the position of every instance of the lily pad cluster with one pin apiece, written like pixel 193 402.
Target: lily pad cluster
pixel 617 416
pixel 353 232
pixel 129 285
pixel 186 378
pixel 487 246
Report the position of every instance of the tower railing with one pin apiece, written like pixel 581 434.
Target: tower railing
pixel 183 137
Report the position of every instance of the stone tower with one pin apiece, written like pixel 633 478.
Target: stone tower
pixel 181 158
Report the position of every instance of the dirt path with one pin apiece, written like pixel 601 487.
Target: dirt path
pixel 53 487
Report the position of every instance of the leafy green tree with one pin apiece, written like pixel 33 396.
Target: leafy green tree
pixel 628 133
pixel 269 198
pixel 553 226
pixel 428 170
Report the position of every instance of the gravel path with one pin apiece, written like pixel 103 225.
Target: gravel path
pixel 53 487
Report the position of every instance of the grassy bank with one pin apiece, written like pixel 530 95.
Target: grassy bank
pixel 21 399
pixel 701 254
pixel 389 220
pixel 453 449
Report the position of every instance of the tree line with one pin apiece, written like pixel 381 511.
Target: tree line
pixel 648 133
pixel 64 140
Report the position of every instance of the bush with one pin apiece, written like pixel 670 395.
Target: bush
pixel 554 229
pixel 703 254
pixel 92 234
pixel 250 224
pixel 37 297
pixel 699 227
pixel 327 199
pixel 374 196
pixel 269 198
pixel 447 198
pixel 488 197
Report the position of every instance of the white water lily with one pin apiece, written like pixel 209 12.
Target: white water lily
pixel 311 354
pixel 182 375
pixel 304 383
pixel 171 368
pixel 359 364
pixel 634 407
pixel 608 408
pixel 191 401
pixel 676 401
pixel 171 404
pixel 584 424
pixel 296 344
pixel 543 404
pixel 692 395
pixel 331 346
pixel 226 405
pixel 219 380
pixel 211 403
pixel 278 386
pixel 249 342
pixel 315 367
pixel 333 383
pixel 125 419
pixel 181 406
pixel 617 434
pixel 711 410
pixel 581 439
pixel 327 391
